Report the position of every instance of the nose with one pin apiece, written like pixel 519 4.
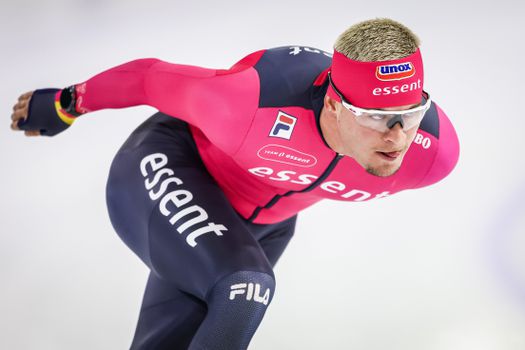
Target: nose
pixel 395 135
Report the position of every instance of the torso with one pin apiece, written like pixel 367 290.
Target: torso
pixel 284 165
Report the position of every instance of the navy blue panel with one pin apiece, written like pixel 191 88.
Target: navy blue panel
pixel 234 313
pixel 430 122
pixel 177 303
pixel 42 114
pixel 287 74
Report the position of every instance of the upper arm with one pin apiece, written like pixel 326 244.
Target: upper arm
pixel 221 105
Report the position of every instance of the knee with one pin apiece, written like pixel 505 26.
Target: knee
pixel 245 288
pixel 236 307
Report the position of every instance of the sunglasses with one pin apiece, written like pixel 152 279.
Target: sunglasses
pixel 382 120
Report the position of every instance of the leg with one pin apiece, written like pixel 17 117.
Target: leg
pixel 169 318
pixel 172 214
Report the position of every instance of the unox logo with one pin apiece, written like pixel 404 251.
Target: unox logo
pixel 283 126
pixel 395 71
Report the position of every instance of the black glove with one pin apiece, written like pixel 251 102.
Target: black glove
pixel 42 114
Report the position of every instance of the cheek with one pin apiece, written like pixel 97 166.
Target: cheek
pixel 359 139
pixel 346 129
pixel 411 134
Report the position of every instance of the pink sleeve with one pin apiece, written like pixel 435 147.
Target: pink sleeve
pixel 219 103
pixel 447 154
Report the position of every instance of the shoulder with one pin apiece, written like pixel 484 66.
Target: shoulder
pixel 293 57
pixel 437 126
pixel 287 75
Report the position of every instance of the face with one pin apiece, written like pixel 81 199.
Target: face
pixel 380 153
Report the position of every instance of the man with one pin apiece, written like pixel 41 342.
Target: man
pixel 207 191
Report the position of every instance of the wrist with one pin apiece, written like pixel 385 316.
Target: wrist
pixel 65 104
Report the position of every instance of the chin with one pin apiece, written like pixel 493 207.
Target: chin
pixel 382 171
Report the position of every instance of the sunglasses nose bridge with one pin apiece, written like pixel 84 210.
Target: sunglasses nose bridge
pixel 397 119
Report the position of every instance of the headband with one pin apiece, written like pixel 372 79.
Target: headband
pixel 378 84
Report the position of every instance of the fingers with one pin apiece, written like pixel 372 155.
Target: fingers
pixel 14 126
pixel 23 100
pixel 20 110
pixel 16 116
pixel 21 104
pixel 26 95
pixel 32 132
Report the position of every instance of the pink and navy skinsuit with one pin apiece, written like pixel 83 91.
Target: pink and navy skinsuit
pixel 206 192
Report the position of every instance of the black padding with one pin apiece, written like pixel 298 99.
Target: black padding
pixel 430 122
pixel 286 79
pixel 42 114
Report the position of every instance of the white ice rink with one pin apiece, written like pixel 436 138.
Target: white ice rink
pixel 441 268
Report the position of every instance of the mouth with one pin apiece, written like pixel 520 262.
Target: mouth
pixel 390 156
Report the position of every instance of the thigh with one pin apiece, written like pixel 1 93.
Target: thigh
pixel 173 215
pixel 273 238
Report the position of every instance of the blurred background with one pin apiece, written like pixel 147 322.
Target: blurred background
pixel 441 268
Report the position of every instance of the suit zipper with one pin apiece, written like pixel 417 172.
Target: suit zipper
pixel 313 185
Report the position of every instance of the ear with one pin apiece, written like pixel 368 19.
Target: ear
pixel 330 104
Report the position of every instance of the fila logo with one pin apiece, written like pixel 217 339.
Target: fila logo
pixel 283 126
pixel 395 71
pixel 252 291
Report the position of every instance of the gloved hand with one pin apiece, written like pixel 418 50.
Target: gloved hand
pixel 40 113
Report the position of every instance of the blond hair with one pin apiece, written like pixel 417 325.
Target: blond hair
pixel 377 39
